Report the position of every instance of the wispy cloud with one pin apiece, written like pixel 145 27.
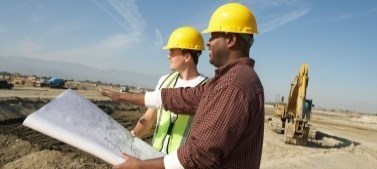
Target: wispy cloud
pixel 124 12
pixel 119 41
pixel 101 54
pixel 159 40
pixel 98 53
pixel 262 4
pixel 341 16
pixel 30 46
pixel 284 19
pixel 127 15
pixel 101 51
pixel 271 14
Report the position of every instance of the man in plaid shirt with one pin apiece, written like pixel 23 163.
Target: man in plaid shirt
pixel 228 125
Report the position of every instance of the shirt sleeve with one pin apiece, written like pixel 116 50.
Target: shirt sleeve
pixel 219 126
pixel 153 99
pixel 171 161
pixel 182 99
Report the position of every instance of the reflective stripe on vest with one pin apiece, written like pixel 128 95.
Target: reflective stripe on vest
pixel 178 129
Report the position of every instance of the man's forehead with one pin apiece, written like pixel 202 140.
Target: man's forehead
pixel 217 33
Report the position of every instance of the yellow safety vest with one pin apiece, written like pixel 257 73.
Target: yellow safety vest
pixel 178 129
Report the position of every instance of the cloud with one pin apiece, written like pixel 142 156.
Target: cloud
pixel 342 16
pixel 106 48
pixel 98 53
pixel 271 14
pixel 119 41
pixel 284 19
pixel 159 40
pixel 30 46
pixel 101 54
pixel 124 12
pixel 262 4
pixel 127 15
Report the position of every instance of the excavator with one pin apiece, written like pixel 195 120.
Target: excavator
pixel 292 118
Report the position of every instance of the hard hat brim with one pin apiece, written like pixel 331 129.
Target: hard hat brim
pixel 230 31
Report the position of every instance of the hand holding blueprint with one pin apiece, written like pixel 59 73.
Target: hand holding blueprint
pixel 78 122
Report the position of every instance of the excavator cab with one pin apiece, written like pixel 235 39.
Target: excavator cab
pixel 308 109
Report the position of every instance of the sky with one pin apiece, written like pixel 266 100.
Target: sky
pixel 336 38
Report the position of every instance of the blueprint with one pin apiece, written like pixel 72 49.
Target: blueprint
pixel 78 122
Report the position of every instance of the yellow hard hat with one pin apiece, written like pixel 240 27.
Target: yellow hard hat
pixel 234 18
pixel 185 38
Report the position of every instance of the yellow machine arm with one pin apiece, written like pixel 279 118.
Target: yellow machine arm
pixel 297 95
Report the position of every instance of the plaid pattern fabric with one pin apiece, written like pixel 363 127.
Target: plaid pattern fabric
pixel 227 129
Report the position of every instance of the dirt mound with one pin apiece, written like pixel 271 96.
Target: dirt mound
pixel 14 107
pixel 13 148
pixel 366 119
pixel 47 159
pixel 21 147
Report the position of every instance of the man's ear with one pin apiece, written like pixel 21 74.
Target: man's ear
pixel 187 56
pixel 232 39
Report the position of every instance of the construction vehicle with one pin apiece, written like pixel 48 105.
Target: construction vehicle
pixel 41 83
pixel 5 85
pixel 124 89
pixel 56 83
pixel 292 118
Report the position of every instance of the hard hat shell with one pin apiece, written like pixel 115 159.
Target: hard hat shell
pixel 233 18
pixel 185 37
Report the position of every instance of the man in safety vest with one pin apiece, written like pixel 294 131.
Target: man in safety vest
pixel 228 124
pixel 185 45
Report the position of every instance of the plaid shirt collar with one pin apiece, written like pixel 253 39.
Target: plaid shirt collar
pixel 240 61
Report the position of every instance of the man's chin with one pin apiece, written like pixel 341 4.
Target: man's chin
pixel 213 63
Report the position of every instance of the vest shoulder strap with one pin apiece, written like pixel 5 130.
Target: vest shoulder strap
pixel 171 78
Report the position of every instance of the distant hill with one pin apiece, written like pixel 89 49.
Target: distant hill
pixel 75 71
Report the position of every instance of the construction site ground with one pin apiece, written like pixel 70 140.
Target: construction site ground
pixel 343 140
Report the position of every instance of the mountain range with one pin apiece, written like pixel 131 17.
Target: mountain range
pixel 76 71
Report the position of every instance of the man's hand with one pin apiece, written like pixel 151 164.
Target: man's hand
pixel 133 98
pixel 134 163
pixel 112 94
pixel 130 163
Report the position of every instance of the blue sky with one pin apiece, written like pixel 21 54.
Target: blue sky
pixel 336 38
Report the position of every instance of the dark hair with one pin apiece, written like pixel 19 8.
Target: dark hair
pixel 245 41
pixel 194 54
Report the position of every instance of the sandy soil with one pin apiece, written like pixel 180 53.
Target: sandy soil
pixel 343 140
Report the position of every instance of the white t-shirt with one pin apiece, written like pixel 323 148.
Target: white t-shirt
pixel 181 82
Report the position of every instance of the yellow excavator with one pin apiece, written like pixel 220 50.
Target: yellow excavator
pixel 292 118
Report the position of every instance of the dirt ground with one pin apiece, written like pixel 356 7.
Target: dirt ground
pixel 343 140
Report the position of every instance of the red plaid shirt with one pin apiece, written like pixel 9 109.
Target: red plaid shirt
pixel 227 129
